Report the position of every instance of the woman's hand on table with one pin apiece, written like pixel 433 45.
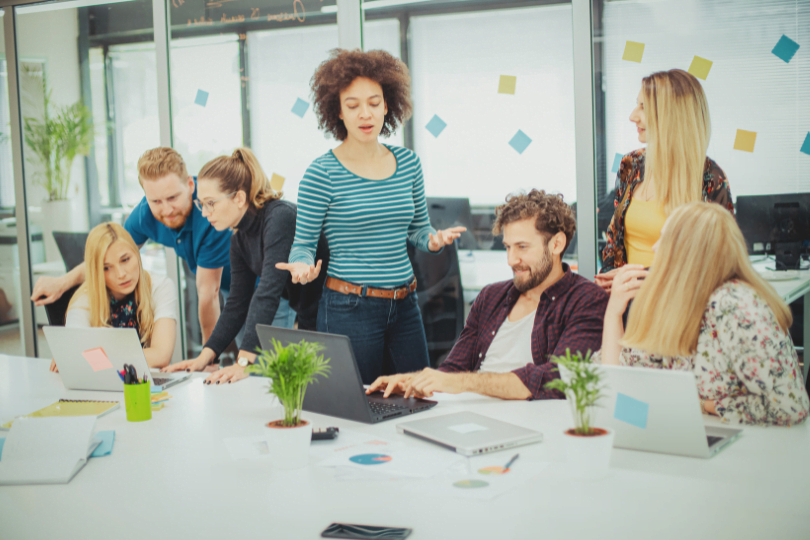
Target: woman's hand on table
pixel 227 375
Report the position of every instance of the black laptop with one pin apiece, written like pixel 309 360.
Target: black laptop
pixel 342 394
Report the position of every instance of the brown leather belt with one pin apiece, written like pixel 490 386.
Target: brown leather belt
pixel 350 288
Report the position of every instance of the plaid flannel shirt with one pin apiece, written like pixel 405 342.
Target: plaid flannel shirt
pixel 570 315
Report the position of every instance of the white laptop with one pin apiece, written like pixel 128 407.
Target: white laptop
pixel 90 358
pixel 470 434
pixel 658 410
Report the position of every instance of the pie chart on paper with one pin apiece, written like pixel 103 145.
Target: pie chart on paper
pixel 370 459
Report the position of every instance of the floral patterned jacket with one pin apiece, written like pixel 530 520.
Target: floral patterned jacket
pixel 631 173
pixel 744 361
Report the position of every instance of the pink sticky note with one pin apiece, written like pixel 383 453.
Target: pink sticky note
pixel 97 359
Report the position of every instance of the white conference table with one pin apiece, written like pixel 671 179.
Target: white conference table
pixel 172 477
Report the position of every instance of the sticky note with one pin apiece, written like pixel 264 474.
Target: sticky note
pixel 97 359
pixel 276 182
pixel 520 142
pixel 806 146
pixel 202 98
pixel 700 67
pixel 617 162
pixel 155 389
pixel 631 411
pixel 107 439
pixel 507 84
pixel 436 125
pixel 745 140
pixel 467 428
pixel 633 51
pixel 785 48
pixel 300 107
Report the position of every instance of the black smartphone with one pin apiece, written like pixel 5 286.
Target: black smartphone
pixel 362 532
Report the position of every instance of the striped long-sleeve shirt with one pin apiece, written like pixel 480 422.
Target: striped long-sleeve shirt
pixel 367 222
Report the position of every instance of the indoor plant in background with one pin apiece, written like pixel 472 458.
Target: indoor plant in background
pixel 291 369
pixel 588 447
pixel 54 139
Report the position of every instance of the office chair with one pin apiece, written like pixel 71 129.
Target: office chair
pixel 56 312
pixel 71 247
pixel 441 299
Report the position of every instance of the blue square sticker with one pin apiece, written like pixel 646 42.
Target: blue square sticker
pixel 300 107
pixel 617 161
pixel 436 125
pixel 785 48
pixel 202 98
pixel 631 411
pixel 520 142
pixel 806 146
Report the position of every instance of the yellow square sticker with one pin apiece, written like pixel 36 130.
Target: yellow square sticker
pixel 633 51
pixel 745 140
pixel 507 84
pixel 700 67
pixel 276 182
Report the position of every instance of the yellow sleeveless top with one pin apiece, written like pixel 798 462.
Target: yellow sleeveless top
pixel 642 225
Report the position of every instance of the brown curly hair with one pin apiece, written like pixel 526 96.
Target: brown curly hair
pixel 339 71
pixel 552 214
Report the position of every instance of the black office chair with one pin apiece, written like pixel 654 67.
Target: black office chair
pixel 441 299
pixel 71 247
pixel 56 312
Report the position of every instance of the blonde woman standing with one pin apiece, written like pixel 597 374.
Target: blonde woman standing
pixel 672 118
pixel 119 293
pixel 703 308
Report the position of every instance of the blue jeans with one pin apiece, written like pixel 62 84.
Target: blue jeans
pixel 387 336
pixel 285 317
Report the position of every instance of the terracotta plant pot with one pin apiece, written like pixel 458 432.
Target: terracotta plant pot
pixel 589 455
pixel 289 446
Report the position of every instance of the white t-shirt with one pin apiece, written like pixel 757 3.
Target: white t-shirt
pixel 164 298
pixel 511 347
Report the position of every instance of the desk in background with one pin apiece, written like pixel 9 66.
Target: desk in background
pixel 173 477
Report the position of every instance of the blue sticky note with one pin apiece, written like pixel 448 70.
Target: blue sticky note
pixel 617 161
pixel 631 410
pixel 107 439
pixel 520 142
pixel 806 146
pixel 2 442
pixel 156 389
pixel 785 48
pixel 202 98
pixel 300 107
pixel 436 125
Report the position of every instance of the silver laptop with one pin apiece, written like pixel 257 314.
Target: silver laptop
pixel 470 434
pixel 89 358
pixel 658 410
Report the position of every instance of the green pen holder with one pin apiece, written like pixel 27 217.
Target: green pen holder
pixel 138 401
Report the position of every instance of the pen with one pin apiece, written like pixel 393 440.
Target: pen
pixel 121 374
pixel 514 458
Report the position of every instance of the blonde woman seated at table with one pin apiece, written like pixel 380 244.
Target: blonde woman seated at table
pixel 119 293
pixel 703 308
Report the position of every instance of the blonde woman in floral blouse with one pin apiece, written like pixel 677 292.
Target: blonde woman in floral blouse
pixel 703 308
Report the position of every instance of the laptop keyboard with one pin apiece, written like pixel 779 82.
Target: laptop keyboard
pixel 385 408
pixel 160 381
pixel 713 440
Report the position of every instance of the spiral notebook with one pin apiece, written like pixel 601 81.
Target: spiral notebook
pixel 72 407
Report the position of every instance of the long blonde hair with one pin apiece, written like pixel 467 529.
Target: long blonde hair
pixel 95 287
pixel 678 133
pixel 241 172
pixel 701 249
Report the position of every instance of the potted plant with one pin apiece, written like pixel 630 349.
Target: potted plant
pixel 53 141
pixel 291 369
pixel 588 446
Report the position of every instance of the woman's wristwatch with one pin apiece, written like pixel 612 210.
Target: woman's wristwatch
pixel 244 362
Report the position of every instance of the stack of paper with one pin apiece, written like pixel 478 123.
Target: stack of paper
pixel 47 450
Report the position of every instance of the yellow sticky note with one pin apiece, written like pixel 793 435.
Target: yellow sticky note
pixel 277 182
pixel 745 140
pixel 700 67
pixel 633 51
pixel 507 84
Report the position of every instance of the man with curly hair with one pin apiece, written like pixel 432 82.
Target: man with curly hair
pixel 514 326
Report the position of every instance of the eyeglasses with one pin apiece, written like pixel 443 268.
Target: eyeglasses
pixel 209 205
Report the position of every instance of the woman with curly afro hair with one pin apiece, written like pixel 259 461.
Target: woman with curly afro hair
pixel 369 200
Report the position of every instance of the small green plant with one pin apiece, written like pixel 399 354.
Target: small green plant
pixel 55 140
pixel 582 390
pixel 291 369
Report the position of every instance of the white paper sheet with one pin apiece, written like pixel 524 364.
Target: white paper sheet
pixel 403 461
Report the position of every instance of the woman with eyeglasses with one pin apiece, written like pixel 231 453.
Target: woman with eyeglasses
pixel 234 193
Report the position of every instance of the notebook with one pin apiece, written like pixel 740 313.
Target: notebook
pixel 72 407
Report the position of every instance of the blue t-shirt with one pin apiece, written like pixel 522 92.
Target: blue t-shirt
pixel 197 242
